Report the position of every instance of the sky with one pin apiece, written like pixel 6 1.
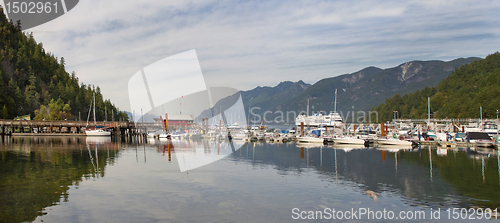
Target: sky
pixel 245 44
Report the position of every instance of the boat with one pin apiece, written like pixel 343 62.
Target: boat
pixel 491 129
pixel 393 142
pixel 319 120
pixel 480 139
pixel 349 140
pixel 310 139
pixel 367 134
pixel 179 135
pixel 96 131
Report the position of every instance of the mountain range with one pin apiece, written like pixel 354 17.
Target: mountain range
pixel 358 91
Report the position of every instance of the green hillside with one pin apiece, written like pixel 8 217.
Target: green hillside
pixel 34 82
pixel 362 90
pixel 460 95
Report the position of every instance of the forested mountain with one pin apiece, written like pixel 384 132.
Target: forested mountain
pixel 460 95
pixel 261 99
pixel 361 90
pixel 358 91
pixel 34 82
pixel 268 98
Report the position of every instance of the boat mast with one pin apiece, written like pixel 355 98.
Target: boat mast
pixel 88 116
pixel 95 122
pixel 429 111
pixel 481 115
pixel 307 107
pixel 335 105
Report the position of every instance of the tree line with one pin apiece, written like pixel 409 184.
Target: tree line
pixel 35 82
pixel 460 95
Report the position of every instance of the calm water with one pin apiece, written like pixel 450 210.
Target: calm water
pixel 74 179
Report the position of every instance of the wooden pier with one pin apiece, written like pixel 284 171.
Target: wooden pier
pixel 23 127
pixel 59 128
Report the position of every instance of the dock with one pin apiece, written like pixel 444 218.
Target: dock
pixel 30 127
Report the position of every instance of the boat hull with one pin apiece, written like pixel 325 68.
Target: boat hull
pixel 350 141
pixel 97 133
pixel 310 140
pixel 394 142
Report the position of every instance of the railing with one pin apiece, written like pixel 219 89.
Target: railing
pixel 455 120
pixel 18 123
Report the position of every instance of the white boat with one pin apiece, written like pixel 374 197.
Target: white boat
pixel 392 141
pixel 490 128
pixel 310 139
pixel 164 135
pixel 96 132
pixel 317 120
pixel 348 140
pixel 241 135
pixel 179 135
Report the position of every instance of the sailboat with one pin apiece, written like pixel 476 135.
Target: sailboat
pixel 95 131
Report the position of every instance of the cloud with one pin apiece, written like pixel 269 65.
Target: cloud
pixel 243 44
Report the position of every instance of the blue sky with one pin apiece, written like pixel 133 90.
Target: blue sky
pixel 244 44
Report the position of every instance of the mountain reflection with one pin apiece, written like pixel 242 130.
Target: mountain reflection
pixel 454 178
pixel 37 172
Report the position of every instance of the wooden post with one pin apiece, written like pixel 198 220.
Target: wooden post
pixel 302 129
pixel 166 122
pixel 169 156
pixel 382 128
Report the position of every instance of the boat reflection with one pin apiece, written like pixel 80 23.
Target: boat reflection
pixel 37 172
pixel 347 147
pixel 97 140
pixel 421 175
pixel 194 154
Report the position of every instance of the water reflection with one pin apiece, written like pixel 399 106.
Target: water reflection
pixel 37 172
pixel 256 180
pixel 422 176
